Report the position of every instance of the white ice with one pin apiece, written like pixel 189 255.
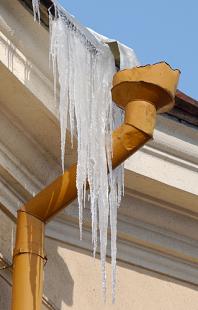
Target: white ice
pixel 84 67
pixel 36 9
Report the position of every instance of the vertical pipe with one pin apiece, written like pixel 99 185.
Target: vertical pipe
pixel 28 263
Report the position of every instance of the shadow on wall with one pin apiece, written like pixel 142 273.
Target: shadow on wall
pixel 58 283
pixel 5 295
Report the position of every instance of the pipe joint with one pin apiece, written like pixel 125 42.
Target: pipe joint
pixel 141 115
pixel 127 140
pixel 30 235
pixel 21 251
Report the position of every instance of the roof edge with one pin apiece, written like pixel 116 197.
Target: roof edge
pixel 186 108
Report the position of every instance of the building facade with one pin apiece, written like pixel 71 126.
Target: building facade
pixel 157 221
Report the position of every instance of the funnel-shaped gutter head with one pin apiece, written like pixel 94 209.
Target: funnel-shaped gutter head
pixel 152 83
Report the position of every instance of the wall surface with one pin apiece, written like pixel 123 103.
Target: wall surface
pixel 73 281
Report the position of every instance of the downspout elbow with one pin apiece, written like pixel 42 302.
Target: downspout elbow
pixel 141 92
pixel 136 130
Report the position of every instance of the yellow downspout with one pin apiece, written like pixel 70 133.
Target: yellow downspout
pixel 141 92
pixel 28 263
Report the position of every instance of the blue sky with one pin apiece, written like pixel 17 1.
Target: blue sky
pixel 156 30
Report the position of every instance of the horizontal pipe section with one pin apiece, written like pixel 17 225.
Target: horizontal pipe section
pixel 59 194
pixel 127 139
pixel 54 197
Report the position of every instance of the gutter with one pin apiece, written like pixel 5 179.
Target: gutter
pixel 185 110
pixel 142 92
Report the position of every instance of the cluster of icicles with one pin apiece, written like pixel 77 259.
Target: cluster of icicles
pixel 85 68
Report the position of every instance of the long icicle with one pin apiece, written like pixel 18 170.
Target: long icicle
pixel 85 70
pixel 36 9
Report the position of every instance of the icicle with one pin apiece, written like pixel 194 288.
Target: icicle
pixel 84 69
pixel 36 9
pixel 12 241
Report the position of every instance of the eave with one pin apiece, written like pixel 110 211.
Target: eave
pixel 186 108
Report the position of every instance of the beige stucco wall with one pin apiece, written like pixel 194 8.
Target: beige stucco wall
pixel 72 281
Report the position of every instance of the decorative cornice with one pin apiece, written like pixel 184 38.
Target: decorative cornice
pixel 139 243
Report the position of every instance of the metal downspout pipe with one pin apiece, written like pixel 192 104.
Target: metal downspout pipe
pixel 141 92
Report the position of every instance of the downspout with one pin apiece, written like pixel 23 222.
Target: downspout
pixel 141 92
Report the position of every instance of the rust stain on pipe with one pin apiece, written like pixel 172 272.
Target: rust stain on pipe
pixel 141 92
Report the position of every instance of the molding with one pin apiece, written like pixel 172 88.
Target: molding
pixel 27 59
pixel 10 200
pixel 27 73
pixel 176 139
pixel 169 196
pixel 155 152
pixel 26 161
pixel 138 252
pixel 171 158
pixel 161 203
pixel 149 235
